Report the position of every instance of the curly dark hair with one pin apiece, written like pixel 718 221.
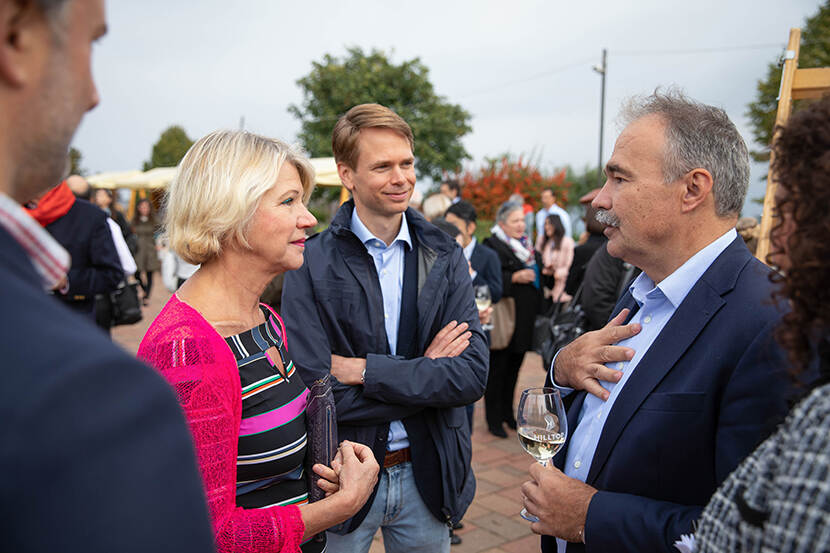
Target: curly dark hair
pixel 802 169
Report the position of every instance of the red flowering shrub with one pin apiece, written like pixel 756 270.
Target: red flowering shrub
pixel 487 188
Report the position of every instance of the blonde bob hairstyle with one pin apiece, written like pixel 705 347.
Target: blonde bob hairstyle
pixel 218 187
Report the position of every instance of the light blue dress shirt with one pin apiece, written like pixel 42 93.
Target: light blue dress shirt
pixel 389 264
pixel 468 253
pixel 657 305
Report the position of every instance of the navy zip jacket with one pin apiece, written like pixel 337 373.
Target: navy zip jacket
pixel 334 305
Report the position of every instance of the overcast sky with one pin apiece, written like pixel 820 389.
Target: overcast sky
pixel 522 68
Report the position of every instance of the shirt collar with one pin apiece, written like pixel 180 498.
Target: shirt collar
pixel 677 285
pixel 468 250
pixel 365 235
pixel 48 257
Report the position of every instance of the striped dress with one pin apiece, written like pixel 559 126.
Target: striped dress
pixel 272 434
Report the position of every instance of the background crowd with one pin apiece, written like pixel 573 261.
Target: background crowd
pixel 204 443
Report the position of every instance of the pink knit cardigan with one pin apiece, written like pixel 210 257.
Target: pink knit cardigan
pixel 200 366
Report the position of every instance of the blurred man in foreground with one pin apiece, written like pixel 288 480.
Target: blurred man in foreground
pixel 96 456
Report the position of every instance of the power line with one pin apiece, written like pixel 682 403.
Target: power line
pixel 697 50
pixel 585 61
pixel 535 77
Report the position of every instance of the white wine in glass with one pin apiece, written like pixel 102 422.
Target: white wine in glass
pixel 483 301
pixel 542 426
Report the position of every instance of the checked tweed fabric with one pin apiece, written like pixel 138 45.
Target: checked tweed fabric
pixel 778 499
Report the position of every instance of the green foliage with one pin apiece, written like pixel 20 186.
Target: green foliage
pixel 75 160
pixel 170 148
pixel 814 52
pixel 337 84
pixel 582 182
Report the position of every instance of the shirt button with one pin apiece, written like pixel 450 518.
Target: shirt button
pixel 647 319
pixel 577 464
pixel 383 272
pixel 620 366
pixel 385 316
pixel 599 415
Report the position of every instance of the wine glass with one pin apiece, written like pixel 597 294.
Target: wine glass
pixel 483 301
pixel 542 426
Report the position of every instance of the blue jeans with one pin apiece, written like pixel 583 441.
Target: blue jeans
pixel 400 513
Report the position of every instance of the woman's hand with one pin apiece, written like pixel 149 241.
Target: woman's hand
pixel 357 470
pixel 348 484
pixel 523 276
pixel 329 480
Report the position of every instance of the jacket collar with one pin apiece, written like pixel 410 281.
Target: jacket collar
pixel 426 234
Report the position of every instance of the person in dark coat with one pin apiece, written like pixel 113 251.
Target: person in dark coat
pixel 384 304
pixel 82 229
pixel 96 456
pixel 585 250
pixel 484 261
pixel 606 280
pixel 520 280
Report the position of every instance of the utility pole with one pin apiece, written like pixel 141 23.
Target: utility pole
pixel 602 70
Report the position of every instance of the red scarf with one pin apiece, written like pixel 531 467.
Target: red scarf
pixel 53 205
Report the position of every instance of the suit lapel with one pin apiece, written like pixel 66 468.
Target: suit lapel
pixel 694 313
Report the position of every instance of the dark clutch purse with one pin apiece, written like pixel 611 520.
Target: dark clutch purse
pixel 321 429
pixel 126 309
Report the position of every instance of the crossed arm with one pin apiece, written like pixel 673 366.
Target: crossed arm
pixel 451 372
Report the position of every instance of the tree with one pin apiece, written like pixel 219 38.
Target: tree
pixel 814 52
pixel 337 84
pixel 170 148
pixel 75 160
pixel 491 185
pixel 581 183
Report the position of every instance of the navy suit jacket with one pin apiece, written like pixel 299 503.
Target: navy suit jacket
pixel 96 455
pixel 84 232
pixel 708 390
pixel 486 264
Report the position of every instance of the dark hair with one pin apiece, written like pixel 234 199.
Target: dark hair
pixel 558 231
pixel 447 227
pixel 802 169
pixel 137 215
pixel 464 211
pixel 453 185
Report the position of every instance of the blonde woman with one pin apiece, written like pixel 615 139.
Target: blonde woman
pixel 237 208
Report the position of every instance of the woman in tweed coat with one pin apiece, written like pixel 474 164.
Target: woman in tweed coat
pixel 778 499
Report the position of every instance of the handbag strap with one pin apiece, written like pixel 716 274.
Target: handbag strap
pixel 574 300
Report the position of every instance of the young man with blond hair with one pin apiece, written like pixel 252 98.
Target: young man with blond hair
pixel 384 304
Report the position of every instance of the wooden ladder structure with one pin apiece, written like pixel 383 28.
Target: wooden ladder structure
pixel 796 84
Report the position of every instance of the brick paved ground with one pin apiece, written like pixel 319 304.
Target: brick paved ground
pixel 492 523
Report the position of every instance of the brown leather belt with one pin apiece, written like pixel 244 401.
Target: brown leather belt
pixel 396 457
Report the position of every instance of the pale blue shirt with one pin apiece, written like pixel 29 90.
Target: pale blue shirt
pixel 468 253
pixel 389 264
pixel 657 306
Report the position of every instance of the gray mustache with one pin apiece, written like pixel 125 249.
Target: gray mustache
pixel 607 217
